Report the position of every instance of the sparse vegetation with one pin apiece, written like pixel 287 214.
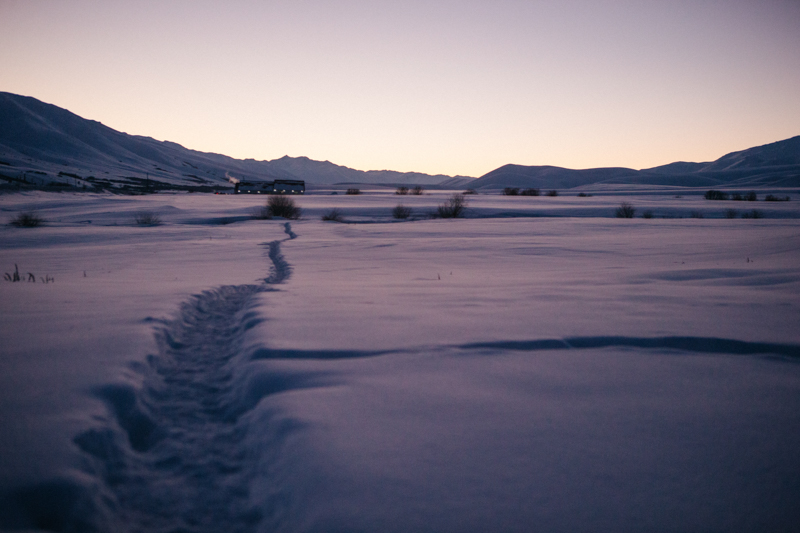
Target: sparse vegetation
pixel 552 193
pixel 401 212
pixel 755 213
pixel 773 198
pixel 696 214
pixel 583 195
pixel 417 190
pixel 453 207
pixel 14 277
pixel 738 197
pixel 283 206
pixel 353 191
pixel 625 210
pixel 731 213
pixel 402 190
pixel 28 219
pixel 647 214
pixel 511 191
pixel 147 218
pixel 529 192
pixel 334 215
pixel 470 191
pixel 715 195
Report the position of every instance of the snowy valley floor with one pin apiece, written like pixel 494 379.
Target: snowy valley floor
pixel 537 366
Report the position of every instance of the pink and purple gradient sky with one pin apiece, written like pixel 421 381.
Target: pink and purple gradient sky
pixel 437 86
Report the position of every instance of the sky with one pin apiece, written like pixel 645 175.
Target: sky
pixel 436 86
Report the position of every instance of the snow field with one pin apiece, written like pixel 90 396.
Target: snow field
pixel 545 372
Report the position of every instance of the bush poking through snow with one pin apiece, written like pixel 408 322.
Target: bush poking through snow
pixel 453 207
pixel 731 213
pixel 647 214
pixel 755 213
pixel 417 190
pixel 353 191
pixel 583 195
pixel 511 191
pixel 401 212
pixel 529 192
pixel 751 196
pixel 14 277
pixel 334 215
pixel 715 195
pixel 283 206
pixel 625 210
pixel 470 191
pixel 402 190
pixel 773 198
pixel 29 219
pixel 147 218
pixel 696 214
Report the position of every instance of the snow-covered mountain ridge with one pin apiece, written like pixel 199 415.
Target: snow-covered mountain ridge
pixel 775 165
pixel 42 145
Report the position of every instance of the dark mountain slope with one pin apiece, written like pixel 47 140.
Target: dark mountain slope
pixel 776 164
pixel 46 140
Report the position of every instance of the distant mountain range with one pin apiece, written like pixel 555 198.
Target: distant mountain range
pixel 46 145
pixel 42 145
pixel 774 165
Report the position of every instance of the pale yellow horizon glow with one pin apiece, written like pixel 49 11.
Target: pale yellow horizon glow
pixel 442 87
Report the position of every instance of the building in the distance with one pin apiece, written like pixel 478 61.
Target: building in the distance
pixel 270 187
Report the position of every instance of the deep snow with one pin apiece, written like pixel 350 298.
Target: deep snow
pixel 540 365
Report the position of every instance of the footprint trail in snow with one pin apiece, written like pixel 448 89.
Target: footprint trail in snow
pixel 170 455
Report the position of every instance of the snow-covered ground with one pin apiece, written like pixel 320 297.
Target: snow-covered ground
pixel 538 365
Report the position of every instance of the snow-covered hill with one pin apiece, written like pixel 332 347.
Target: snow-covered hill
pixel 775 165
pixel 43 144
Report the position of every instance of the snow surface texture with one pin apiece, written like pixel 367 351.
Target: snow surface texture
pixel 532 367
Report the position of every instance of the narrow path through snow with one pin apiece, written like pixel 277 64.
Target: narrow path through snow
pixel 170 458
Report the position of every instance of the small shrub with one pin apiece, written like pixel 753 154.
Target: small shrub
pixel 453 207
pixel 470 191
pixel 353 191
pixel 283 206
pixel 13 277
pixel 772 198
pixel 647 214
pixel 401 190
pixel 147 218
pixel 751 196
pixel 696 214
pixel 731 213
pixel 29 219
pixel 334 215
pixel 417 190
pixel 529 192
pixel 755 213
pixel 552 193
pixel 715 195
pixel 511 191
pixel 583 195
pixel 625 210
pixel 736 197
pixel 400 211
